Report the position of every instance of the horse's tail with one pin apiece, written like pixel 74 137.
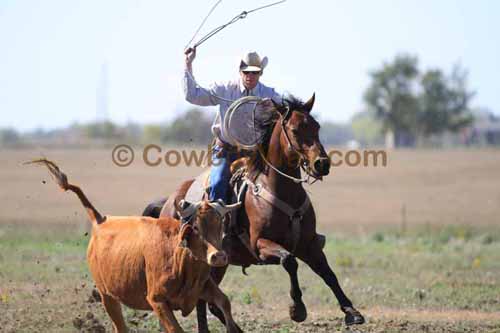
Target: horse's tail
pixel 154 208
pixel 62 180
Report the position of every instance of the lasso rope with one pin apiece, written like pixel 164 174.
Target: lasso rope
pixel 238 17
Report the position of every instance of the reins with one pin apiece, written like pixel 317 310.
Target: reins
pixel 293 148
pixel 294 179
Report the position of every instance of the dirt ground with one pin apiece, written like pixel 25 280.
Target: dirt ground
pixel 416 187
pixel 416 244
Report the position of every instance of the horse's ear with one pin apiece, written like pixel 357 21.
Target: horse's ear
pixel 310 103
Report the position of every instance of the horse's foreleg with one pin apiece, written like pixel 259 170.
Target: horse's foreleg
pixel 316 259
pixel 273 253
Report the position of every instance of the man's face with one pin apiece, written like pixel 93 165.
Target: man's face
pixel 250 79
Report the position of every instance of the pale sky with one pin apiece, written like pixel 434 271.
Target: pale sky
pixel 52 51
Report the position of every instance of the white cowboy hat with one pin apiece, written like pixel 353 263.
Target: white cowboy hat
pixel 251 62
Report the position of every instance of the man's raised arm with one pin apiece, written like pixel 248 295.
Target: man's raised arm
pixel 192 91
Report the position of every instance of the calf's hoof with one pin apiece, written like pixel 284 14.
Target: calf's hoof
pixel 352 316
pixel 298 312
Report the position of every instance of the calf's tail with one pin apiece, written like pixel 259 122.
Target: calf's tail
pixel 62 180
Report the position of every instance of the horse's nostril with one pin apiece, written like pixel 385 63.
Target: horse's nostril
pixel 322 166
pixel 326 170
pixel 318 165
pixel 326 167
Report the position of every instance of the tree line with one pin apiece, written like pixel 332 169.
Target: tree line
pixel 413 104
pixel 403 107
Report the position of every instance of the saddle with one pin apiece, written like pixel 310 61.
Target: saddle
pixel 239 185
pixel 198 190
pixel 233 232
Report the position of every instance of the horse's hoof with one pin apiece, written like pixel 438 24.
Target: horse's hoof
pixel 321 240
pixel 234 329
pixel 353 316
pixel 298 312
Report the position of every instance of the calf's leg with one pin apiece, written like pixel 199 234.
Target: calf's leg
pixel 212 294
pixel 273 253
pixel 166 316
pixel 216 274
pixel 114 311
pixel 201 316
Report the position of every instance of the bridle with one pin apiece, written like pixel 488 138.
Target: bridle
pixel 303 162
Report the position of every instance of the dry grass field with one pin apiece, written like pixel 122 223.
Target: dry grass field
pixel 416 244
pixel 435 187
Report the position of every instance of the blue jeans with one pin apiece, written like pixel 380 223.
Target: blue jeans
pixel 220 174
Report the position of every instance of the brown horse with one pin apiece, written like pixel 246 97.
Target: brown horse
pixel 279 231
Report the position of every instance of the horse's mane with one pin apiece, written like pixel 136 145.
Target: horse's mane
pixel 294 103
pixel 267 122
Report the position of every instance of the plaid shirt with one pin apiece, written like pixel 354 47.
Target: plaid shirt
pixel 231 90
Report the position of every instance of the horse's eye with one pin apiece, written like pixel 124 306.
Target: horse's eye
pixel 295 131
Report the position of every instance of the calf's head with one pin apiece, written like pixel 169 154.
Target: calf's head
pixel 200 248
pixel 206 221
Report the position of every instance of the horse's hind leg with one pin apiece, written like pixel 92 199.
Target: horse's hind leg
pixel 273 253
pixel 316 259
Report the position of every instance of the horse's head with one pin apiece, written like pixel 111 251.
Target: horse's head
pixel 300 137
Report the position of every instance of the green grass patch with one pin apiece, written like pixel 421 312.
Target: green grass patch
pixel 43 273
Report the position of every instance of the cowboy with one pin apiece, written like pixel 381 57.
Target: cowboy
pixel 251 69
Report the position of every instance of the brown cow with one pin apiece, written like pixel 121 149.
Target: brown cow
pixel 152 264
